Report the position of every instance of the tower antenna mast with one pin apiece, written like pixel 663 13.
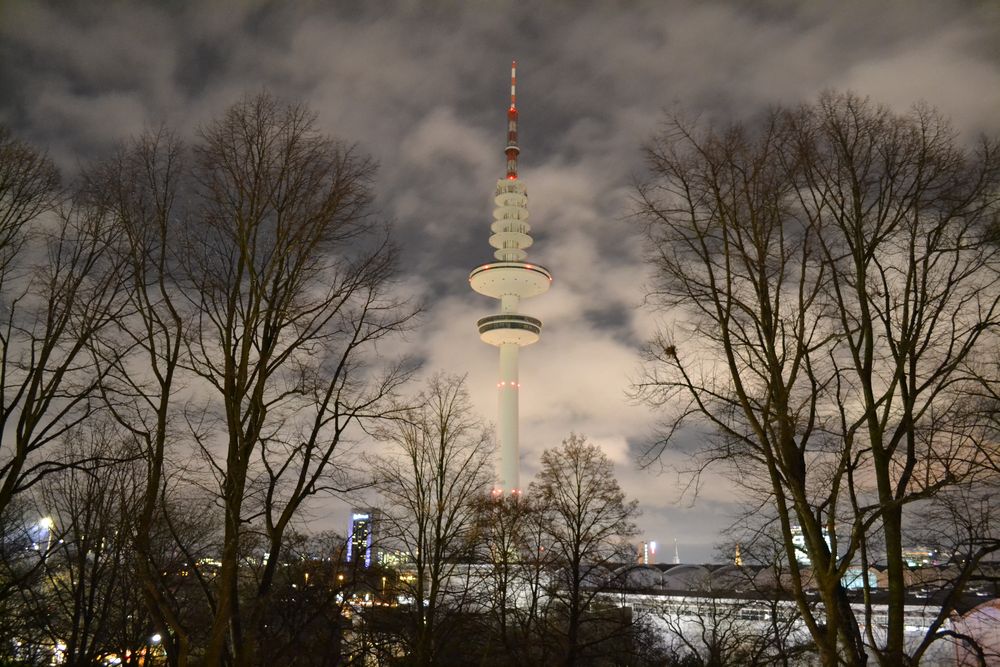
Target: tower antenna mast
pixel 512 149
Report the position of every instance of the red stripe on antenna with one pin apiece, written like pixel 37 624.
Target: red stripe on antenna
pixel 512 150
pixel 513 84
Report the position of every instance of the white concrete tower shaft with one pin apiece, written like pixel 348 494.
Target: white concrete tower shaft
pixel 510 279
pixel 508 408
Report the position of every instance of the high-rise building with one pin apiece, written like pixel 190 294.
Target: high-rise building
pixel 510 279
pixel 361 535
pixel 647 553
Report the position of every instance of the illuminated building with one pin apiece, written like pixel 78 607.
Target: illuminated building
pixel 361 534
pixel 799 541
pixel 922 556
pixel 647 554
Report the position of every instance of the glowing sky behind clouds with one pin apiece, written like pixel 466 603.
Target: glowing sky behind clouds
pixel 422 88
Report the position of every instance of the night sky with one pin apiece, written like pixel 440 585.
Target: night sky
pixel 423 89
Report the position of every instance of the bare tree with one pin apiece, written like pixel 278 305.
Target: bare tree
pixel 834 268
pixel 289 274
pixel 588 522
pixel 255 285
pixel 85 596
pixel 763 579
pixel 184 549
pixel 56 292
pixel 138 191
pixel 516 550
pixel 711 629
pixel 307 621
pixel 441 468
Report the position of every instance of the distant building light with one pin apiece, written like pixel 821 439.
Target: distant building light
pixel 799 542
pixel 360 536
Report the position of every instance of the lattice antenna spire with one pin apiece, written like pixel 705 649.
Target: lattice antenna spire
pixel 512 149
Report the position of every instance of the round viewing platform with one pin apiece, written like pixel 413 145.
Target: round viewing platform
pixel 509 328
pixel 520 279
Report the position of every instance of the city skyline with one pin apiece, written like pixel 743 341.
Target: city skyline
pixel 418 89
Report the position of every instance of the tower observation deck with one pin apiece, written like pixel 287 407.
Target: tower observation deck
pixel 510 279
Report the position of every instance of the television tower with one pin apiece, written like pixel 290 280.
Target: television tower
pixel 510 279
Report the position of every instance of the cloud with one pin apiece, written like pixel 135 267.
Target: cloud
pixel 941 71
pixel 423 90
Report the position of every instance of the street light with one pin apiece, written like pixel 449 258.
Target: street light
pixel 151 650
